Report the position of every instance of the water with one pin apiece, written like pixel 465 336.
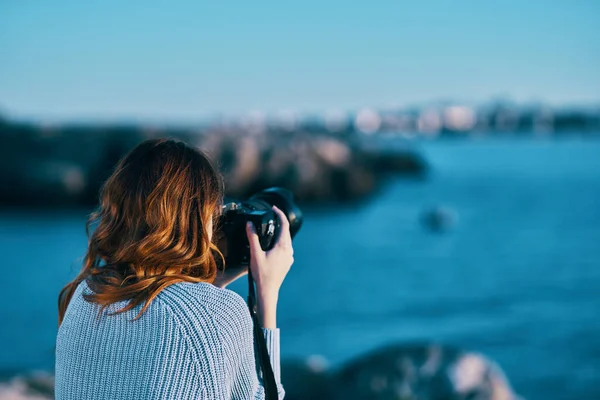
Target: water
pixel 517 278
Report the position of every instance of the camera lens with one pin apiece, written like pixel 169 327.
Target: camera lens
pixel 282 199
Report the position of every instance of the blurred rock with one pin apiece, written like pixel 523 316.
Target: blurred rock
pixel 400 372
pixel 301 381
pixel 439 218
pixel 37 386
pixel 65 166
pixel 423 372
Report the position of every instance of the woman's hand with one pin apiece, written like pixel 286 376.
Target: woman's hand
pixel 270 268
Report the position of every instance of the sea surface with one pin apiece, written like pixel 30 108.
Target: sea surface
pixel 515 277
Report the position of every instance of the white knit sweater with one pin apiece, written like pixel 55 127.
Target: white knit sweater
pixel 195 341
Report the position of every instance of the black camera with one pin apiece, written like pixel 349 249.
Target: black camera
pixel 233 241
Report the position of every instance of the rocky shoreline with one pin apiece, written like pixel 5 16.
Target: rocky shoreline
pixel 426 371
pixel 327 158
pixel 65 166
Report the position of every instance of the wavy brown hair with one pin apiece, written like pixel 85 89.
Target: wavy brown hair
pixel 151 229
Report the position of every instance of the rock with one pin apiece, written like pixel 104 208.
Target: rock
pixel 65 166
pixel 36 386
pixel 439 218
pixel 301 381
pixel 400 372
pixel 424 372
pixel 55 182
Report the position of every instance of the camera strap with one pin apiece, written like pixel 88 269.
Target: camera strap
pixel 269 383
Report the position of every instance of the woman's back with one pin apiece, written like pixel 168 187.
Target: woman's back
pixel 144 318
pixel 194 341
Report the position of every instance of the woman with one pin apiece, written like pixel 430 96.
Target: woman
pixel 148 316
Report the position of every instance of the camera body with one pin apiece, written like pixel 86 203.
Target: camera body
pixel 258 210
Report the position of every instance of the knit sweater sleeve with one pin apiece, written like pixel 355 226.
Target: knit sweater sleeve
pixel 238 372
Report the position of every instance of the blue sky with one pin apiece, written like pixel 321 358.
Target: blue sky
pixel 188 60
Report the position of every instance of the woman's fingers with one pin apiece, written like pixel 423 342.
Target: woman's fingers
pixel 285 237
pixel 255 249
pixel 284 221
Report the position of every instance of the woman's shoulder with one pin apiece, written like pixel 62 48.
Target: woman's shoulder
pixel 204 299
